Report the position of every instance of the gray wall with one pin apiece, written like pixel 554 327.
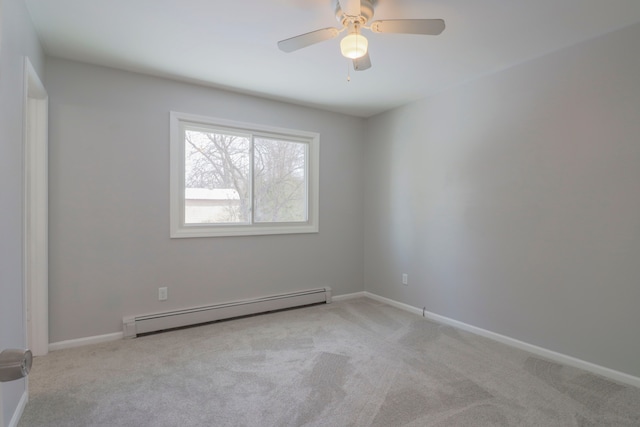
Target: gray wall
pixel 18 38
pixel 513 202
pixel 109 203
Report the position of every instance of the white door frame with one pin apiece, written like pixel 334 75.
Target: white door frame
pixel 35 233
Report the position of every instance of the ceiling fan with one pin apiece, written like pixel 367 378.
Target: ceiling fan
pixel 354 15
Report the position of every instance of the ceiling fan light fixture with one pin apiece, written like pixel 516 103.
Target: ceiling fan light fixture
pixel 354 16
pixel 354 46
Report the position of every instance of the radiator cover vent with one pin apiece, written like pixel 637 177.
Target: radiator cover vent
pixel 134 325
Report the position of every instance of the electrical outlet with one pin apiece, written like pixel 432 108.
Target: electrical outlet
pixel 405 279
pixel 162 294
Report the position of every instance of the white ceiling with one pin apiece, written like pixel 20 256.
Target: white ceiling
pixel 232 44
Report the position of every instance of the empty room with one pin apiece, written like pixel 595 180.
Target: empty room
pixel 319 213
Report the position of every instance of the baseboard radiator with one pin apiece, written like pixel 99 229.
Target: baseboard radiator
pixel 135 325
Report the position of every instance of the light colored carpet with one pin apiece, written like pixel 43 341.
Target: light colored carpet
pixel 351 363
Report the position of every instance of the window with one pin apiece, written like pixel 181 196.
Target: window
pixel 238 179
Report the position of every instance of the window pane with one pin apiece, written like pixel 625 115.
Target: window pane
pixel 217 184
pixel 280 181
pixel 236 179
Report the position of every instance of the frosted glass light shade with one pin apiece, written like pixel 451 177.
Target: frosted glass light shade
pixel 354 46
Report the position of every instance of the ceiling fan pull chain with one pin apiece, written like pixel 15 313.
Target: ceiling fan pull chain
pixel 348 73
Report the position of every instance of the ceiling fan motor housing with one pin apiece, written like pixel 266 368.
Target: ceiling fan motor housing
pixel 366 13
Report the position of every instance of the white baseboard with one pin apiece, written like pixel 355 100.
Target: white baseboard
pixel 348 296
pixel 79 342
pixel 394 303
pixel 540 351
pixel 531 348
pixel 15 419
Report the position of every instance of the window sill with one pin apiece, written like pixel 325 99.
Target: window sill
pixel 238 230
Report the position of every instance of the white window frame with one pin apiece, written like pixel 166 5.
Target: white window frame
pixel 178 228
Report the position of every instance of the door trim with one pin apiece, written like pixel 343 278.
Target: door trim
pixel 35 233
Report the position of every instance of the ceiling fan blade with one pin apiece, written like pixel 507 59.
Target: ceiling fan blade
pixel 350 7
pixel 362 63
pixel 431 27
pixel 304 40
